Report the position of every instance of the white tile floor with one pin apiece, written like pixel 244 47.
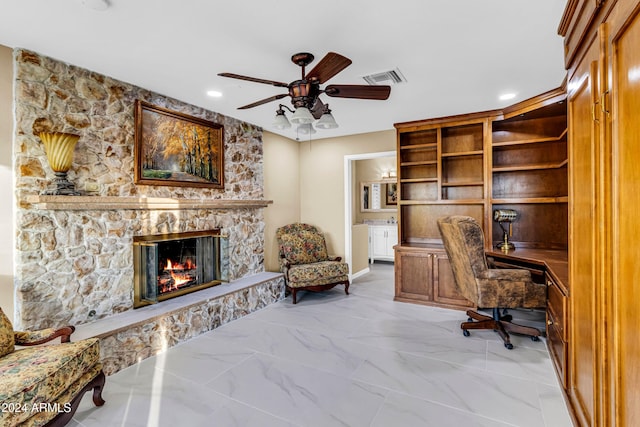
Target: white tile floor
pixel 338 360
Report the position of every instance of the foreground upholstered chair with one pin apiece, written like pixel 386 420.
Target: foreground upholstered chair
pixel 488 287
pixel 305 262
pixel 42 385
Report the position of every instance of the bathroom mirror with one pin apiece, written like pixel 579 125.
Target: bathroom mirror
pixel 378 196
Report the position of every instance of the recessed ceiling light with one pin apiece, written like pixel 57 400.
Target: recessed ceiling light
pixel 507 96
pixel 214 93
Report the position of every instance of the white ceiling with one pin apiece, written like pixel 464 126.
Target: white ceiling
pixel 457 55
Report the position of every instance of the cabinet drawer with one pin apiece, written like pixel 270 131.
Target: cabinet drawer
pixel 556 308
pixel 558 351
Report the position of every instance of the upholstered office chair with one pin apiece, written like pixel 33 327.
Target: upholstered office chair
pixel 488 287
pixel 305 262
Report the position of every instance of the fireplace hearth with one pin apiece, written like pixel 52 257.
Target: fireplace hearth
pixel 171 265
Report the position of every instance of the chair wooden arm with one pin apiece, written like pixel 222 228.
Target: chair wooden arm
pixel 30 338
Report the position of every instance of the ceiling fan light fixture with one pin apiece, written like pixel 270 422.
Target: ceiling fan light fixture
pixel 301 116
pixel 306 129
pixel 280 121
pixel 326 121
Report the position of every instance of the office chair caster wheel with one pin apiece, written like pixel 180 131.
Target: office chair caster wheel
pixel 465 333
pixel 535 338
pixel 508 345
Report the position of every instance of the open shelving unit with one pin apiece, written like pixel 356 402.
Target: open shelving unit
pixel 442 170
pixel 529 175
pixel 471 164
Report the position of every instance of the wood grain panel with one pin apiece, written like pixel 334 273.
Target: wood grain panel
pixel 582 240
pixel 626 240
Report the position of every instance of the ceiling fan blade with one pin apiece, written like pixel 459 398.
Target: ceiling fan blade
pixel 263 101
pixel 358 91
pixel 329 66
pixel 253 79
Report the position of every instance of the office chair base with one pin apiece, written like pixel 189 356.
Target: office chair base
pixel 501 324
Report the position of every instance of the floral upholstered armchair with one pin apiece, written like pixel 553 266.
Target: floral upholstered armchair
pixel 43 385
pixel 305 262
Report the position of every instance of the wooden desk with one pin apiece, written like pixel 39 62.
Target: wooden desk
pixel 552 267
pixel 552 261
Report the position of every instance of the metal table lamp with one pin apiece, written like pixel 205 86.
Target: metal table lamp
pixel 508 216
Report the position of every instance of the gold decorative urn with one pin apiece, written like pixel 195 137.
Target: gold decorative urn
pixel 59 147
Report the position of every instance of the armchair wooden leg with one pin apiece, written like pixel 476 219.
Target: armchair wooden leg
pixel 293 295
pixel 98 385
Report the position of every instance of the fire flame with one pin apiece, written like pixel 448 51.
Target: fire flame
pixel 180 273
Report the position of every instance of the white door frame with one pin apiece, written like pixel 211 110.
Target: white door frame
pixel 348 198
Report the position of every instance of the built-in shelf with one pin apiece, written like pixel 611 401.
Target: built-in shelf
pixel 526 200
pixel 442 202
pixel 531 140
pixel 463 184
pixel 463 153
pixel 420 163
pixel 415 180
pixel 137 203
pixel 538 166
pixel 430 146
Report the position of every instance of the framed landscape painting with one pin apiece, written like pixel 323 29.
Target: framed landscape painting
pixel 176 149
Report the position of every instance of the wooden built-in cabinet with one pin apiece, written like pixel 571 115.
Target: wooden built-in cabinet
pixel 471 164
pixel 557 330
pixel 529 173
pixel 442 168
pixel 424 276
pixel 602 53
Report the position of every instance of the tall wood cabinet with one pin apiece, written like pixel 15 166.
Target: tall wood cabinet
pixel 602 51
pixel 471 164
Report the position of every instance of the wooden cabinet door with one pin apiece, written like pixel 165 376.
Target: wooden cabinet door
pixel 445 289
pixel 414 276
pixel 624 36
pixel 583 98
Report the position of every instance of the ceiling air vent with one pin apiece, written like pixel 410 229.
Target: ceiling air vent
pixel 391 77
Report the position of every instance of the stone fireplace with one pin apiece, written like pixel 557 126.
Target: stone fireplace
pixel 74 256
pixel 170 265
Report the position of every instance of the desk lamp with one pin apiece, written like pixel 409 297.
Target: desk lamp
pixel 508 216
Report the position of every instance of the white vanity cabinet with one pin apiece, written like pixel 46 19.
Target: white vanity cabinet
pixel 382 239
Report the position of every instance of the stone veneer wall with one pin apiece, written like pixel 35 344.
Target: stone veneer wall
pixel 73 267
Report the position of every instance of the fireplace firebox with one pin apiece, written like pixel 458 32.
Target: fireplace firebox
pixel 171 265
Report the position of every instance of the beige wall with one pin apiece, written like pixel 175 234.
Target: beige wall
pixel 6 180
pixel 360 244
pixel 281 184
pixel 322 180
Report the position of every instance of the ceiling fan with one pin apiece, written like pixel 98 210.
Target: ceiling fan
pixel 305 92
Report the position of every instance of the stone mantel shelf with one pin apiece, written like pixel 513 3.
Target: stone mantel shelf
pixel 138 203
